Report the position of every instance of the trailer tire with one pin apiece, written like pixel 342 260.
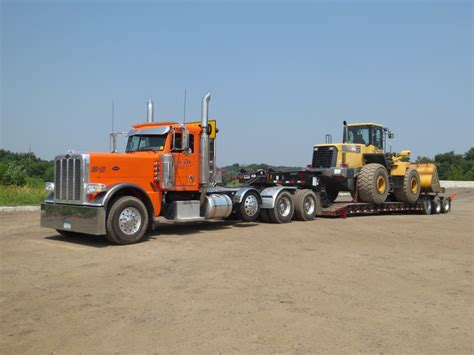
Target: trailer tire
pixel 127 221
pixel 306 205
pixel 373 183
pixel 445 205
pixel 249 209
pixel 427 207
pixel 410 192
pixel 436 205
pixel 284 208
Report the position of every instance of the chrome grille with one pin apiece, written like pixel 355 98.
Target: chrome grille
pixel 69 179
pixel 324 157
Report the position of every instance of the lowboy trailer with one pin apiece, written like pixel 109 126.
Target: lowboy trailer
pixel 168 170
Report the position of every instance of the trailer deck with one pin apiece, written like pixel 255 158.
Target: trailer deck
pixel 347 209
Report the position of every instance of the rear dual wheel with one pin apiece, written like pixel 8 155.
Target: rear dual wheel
pixel 283 210
pixel 249 209
pixel 306 205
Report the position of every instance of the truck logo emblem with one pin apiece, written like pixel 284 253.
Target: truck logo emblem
pixel 116 168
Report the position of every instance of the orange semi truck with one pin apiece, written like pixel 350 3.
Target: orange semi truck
pixel 168 170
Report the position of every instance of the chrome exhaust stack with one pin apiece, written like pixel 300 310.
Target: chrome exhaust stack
pixel 150 112
pixel 205 143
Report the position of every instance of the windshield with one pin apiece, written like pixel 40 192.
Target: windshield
pixel 359 135
pixel 146 142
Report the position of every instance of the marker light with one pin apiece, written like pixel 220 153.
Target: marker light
pixel 95 188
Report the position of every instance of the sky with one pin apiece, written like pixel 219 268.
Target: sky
pixel 282 74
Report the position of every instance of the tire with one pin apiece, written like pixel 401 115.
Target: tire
pixel 331 193
pixel 436 205
pixel 249 209
pixel 445 205
pixel 410 192
pixel 427 207
pixel 264 217
pixel 127 221
pixel 373 183
pixel 305 205
pixel 284 208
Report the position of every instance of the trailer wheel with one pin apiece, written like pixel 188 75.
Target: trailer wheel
pixel 127 221
pixel 436 205
pixel 410 192
pixel 249 209
pixel 427 207
pixel 372 183
pixel 284 208
pixel 305 205
pixel 445 205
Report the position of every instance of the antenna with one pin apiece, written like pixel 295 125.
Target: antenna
pixel 113 115
pixel 184 120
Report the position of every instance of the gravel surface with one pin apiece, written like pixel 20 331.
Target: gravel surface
pixel 364 284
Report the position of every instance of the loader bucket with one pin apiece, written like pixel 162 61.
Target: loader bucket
pixel 428 177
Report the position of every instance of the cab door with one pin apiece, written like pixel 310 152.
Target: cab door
pixel 186 163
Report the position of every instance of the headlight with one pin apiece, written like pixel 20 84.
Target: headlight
pixel 95 188
pixel 49 186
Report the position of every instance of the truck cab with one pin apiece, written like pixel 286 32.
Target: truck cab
pixel 167 170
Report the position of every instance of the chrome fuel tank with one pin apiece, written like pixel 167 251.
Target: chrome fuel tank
pixel 218 206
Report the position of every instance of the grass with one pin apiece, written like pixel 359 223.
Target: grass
pixel 21 195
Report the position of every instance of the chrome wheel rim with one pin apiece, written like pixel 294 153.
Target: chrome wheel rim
pixel 309 205
pixel 284 206
pixel 130 220
pixel 251 205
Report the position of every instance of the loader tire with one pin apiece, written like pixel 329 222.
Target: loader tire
pixel 373 183
pixel 331 193
pixel 127 221
pixel 306 205
pixel 284 208
pixel 410 192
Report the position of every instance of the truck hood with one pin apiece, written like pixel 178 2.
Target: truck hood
pixel 122 166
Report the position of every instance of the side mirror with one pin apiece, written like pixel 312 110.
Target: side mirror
pixel 185 141
pixel 391 135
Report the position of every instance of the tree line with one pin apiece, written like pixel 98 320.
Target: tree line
pixel 22 169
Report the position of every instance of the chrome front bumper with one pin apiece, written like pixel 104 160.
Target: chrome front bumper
pixel 73 218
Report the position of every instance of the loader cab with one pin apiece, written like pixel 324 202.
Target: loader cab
pixel 368 134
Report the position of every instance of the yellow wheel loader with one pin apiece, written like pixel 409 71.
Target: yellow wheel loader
pixel 362 166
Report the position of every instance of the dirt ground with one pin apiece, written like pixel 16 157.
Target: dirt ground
pixel 368 284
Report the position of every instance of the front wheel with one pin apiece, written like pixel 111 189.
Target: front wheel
pixel 445 205
pixel 127 221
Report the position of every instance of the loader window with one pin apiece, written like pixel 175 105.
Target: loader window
pixel 359 135
pixel 146 142
pixel 378 137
